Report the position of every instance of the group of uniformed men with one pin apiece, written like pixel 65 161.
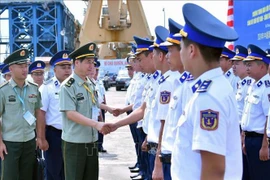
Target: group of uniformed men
pixel 186 99
pixel 61 120
pixel 201 109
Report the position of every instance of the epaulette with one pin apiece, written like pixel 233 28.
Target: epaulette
pixel 204 86
pixel 259 84
pixel 267 83
pixel 35 84
pixel 162 79
pixel 3 84
pixel 155 75
pixel 249 82
pixel 228 73
pixel 183 77
pixel 48 81
pixel 190 77
pixel 243 82
pixel 70 82
pixel 196 86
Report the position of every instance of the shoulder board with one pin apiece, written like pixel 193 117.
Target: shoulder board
pixel 228 73
pixel 243 82
pixel 259 84
pixel 267 83
pixel 3 84
pixel 70 82
pixel 162 79
pixel 48 81
pixel 190 77
pixel 204 86
pixel 35 84
pixel 183 77
pixel 196 85
pixel 155 75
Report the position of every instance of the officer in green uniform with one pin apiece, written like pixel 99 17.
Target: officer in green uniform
pixel 20 104
pixel 79 105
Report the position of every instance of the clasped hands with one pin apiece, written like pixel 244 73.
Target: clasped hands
pixel 106 128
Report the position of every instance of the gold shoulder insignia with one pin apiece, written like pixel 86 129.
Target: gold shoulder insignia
pixel 3 84
pixel 35 84
pixel 70 82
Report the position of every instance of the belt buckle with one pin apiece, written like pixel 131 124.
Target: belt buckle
pixel 152 151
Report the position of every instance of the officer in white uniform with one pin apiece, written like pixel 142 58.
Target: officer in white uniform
pixel 226 65
pixel 49 90
pixel 239 69
pixel 207 144
pixel 175 108
pixel 100 89
pixel 130 97
pixel 144 57
pixel 159 103
pixel 36 69
pixel 255 114
pixel 6 73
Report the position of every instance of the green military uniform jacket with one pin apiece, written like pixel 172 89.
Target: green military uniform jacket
pixel 75 97
pixel 14 127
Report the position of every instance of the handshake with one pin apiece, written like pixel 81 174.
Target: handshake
pixel 116 111
pixel 106 128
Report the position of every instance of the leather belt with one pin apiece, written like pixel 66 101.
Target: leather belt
pixel 252 134
pixel 165 158
pixel 53 128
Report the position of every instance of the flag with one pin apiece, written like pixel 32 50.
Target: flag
pixel 230 21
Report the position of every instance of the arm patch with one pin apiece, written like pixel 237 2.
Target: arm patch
pixel 165 97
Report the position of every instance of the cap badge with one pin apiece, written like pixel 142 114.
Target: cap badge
pixel 65 56
pixel 91 47
pixel 38 65
pixel 22 53
pixel 237 51
pixel 249 51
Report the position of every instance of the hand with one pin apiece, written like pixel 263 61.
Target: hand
pixel 42 144
pixel 264 153
pixel 109 126
pixel 244 149
pixel 157 172
pixel 3 150
pixel 117 111
pixel 144 146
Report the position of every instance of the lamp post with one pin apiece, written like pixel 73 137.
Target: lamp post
pixel 164 16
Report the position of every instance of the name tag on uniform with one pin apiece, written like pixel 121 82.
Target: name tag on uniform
pixel 30 119
pixel 56 95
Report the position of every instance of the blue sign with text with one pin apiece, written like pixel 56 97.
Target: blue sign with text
pixel 252 22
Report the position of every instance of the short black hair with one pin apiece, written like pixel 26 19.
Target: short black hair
pixel 210 54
